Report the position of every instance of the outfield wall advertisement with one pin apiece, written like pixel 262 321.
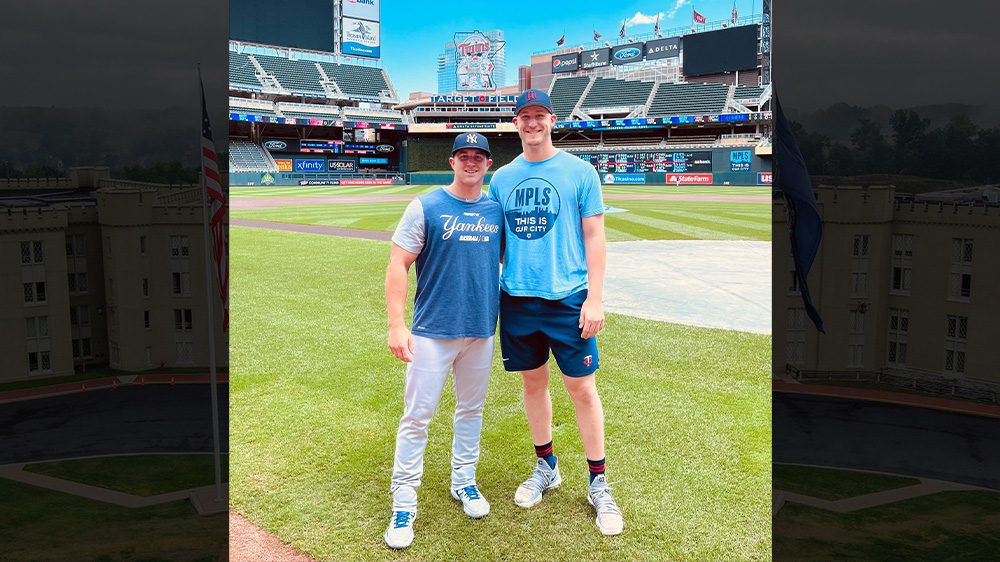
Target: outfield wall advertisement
pixel 362 9
pixel 360 38
pixel 595 58
pixel 566 63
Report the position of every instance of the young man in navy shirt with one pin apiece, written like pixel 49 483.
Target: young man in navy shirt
pixel 453 235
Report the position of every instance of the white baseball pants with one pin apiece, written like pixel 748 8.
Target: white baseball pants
pixel 471 359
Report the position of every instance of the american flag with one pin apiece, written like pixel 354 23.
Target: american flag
pixel 217 208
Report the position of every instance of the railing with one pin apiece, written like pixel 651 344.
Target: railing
pixel 932 382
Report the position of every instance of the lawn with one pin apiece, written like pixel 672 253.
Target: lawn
pixel 238 191
pixel 942 526
pixel 50 525
pixel 316 397
pixel 630 219
pixel 141 475
pixel 833 484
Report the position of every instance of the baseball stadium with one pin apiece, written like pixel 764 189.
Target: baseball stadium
pixel 324 157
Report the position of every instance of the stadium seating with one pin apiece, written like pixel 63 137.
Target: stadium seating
pixel 245 156
pixel 294 75
pixel 378 116
pixel 242 72
pixel 688 99
pixel 748 92
pixel 254 107
pixel 612 92
pixel 355 80
pixel 566 92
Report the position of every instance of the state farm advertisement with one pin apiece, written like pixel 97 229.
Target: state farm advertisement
pixel 699 179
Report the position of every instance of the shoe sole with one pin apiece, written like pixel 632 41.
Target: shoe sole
pixel 455 496
pixel 597 521
pixel 555 484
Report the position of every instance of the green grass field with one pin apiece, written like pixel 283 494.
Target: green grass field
pixel 97 531
pixel 833 484
pixel 316 397
pixel 643 219
pixel 141 475
pixel 239 191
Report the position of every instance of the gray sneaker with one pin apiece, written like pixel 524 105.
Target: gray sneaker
pixel 529 493
pixel 609 517
pixel 399 533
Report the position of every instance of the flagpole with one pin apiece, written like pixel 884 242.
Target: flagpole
pixel 210 300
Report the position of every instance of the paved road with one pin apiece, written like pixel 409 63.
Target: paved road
pixel 892 438
pixel 134 419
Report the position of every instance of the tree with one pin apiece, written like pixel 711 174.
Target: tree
pixel 909 131
pixel 873 151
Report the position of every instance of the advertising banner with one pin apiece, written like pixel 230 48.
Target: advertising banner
pixel 739 160
pixel 763 178
pixel 320 146
pixel 473 99
pixel 284 164
pixel 689 179
pixel 595 58
pixel 625 54
pixel 474 60
pixel 360 38
pixel 310 165
pixel 370 160
pixel 663 48
pixel 632 179
pixel 279 145
pixel 364 9
pixel 566 63
pixel 366 181
pixel 342 166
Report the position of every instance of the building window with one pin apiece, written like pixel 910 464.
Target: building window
pixel 856 340
pixel 902 263
pixel 39 362
pixel 81 348
pixel 37 327
pixel 79 315
pixel 960 280
pixel 180 278
pixel 859 265
pixel 77 282
pixel 184 352
pixel 182 320
pixel 179 247
pixel 145 318
pixel 142 245
pixel 34 292
pixel 956 336
pixel 899 328
pixel 31 252
pixel 145 287
pixel 795 348
pixel 76 245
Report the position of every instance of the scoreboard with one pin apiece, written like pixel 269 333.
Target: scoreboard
pixel 652 161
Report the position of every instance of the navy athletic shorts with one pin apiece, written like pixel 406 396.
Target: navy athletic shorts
pixel 530 326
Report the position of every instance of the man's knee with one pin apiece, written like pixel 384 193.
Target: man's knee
pixel 536 380
pixel 583 390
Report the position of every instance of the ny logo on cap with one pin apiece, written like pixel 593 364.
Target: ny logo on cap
pixel 471 138
pixel 531 95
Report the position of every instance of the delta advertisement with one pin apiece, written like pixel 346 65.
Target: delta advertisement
pixel 566 63
pixel 663 48
pixel 360 38
pixel 475 55
pixel 362 9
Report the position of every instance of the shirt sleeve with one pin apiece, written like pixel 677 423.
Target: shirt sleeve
pixel 411 232
pixel 591 197
pixel 492 192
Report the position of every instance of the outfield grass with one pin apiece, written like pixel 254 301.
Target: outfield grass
pixel 97 531
pixel 643 219
pixel 834 484
pixel 141 475
pixel 942 526
pixel 316 398
pixel 238 191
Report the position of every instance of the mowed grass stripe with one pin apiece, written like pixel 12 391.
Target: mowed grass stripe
pixel 710 217
pixel 640 231
pixel 685 229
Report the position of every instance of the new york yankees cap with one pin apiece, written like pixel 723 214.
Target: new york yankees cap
pixel 533 97
pixel 471 140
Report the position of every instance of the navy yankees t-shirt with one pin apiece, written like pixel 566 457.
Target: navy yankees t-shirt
pixel 457 243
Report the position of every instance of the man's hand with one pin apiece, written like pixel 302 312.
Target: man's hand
pixel 591 318
pixel 401 344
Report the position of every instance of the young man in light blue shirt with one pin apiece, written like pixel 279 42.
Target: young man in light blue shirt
pixel 550 299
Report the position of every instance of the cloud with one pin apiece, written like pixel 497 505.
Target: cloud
pixel 678 4
pixel 642 19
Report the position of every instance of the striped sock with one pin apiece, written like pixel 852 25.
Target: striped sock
pixel 596 468
pixel 545 452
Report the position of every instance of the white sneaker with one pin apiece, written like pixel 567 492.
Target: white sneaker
pixel 609 517
pixel 399 533
pixel 473 503
pixel 529 493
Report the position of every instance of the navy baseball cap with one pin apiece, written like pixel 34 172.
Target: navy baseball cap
pixel 471 140
pixel 533 97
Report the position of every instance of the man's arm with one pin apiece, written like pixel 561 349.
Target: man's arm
pixel 396 277
pixel 592 313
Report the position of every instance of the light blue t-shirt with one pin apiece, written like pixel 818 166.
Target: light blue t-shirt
pixel 457 243
pixel 544 204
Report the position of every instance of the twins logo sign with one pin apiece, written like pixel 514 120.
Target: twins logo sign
pixel 532 208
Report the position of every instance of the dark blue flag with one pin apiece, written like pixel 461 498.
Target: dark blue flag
pixel 804 223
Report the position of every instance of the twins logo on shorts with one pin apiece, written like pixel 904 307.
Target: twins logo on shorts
pixel 588 360
pixel 532 208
